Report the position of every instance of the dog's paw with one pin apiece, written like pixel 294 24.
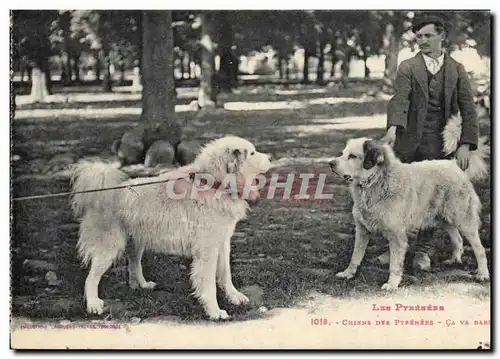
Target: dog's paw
pixel 149 285
pixel 95 306
pixel 134 284
pixel 482 277
pixel 389 287
pixel 344 275
pixel 218 315
pixel 238 298
pixel 451 261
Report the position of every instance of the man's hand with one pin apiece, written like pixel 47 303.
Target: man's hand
pixel 463 156
pixel 390 136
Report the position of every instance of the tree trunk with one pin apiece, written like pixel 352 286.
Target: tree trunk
pixel 345 68
pixel 391 50
pixel 287 68
pixel 367 69
pixel 42 50
pixel 23 71
pixel 334 60
pixel 228 78
pixel 365 55
pixel 65 23
pixel 235 67
pixel 39 90
pixel 158 89
pixel 320 71
pixel 206 97
pixel 280 64
pixel 29 70
pixel 140 46
pixel 68 70
pixel 227 75
pixel 76 64
pixel 186 70
pixel 305 77
pixel 67 48
pixel 42 62
pixel 97 65
pixel 46 71
pixel 225 72
pixel 41 83
pixel 136 80
pixel 121 69
pixel 107 81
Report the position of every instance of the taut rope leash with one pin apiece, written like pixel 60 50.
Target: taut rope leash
pixel 61 194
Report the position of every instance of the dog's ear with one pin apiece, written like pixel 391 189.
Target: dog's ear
pixel 373 155
pixel 233 166
pixel 115 146
pixel 239 153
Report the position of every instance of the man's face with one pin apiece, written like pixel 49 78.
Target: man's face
pixel 429 40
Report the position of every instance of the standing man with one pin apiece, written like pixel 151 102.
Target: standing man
pixel 429 88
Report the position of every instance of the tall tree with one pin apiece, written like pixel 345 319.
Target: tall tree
pixel 158 92
pixel 394 23
pixel 207 96
pixel 308 38
pixel 104 30
pixel 32 33
pixel 228 70
pixel 368 37
pixel 321 45
pixel 64 25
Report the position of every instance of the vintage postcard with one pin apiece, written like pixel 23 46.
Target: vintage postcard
pixel 250 179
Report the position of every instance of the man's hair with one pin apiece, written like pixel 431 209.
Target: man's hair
pixel 420 22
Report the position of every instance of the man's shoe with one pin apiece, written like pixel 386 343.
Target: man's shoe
pixel 421 261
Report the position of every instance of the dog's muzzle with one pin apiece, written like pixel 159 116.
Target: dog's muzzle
pixel 333 166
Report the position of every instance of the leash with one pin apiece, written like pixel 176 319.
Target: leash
pixel 62 194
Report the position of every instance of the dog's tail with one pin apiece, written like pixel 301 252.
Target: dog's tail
pixel 478 167
pixel 93 175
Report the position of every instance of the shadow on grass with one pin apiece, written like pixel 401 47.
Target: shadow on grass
pixel 288 249
pixel 267 93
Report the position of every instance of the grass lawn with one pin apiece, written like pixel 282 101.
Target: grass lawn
pixel 282 252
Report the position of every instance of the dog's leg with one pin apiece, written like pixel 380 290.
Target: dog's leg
pixel 398 244
pixel 100 264
pixel 203 271
pixel 472 235
pixel 100 248
pixel 361 240
pixel 457 245
pixel 136 277
pixel 224 279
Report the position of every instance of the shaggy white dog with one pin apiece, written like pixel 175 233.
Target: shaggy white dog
pixel 180 217
pixel 396 199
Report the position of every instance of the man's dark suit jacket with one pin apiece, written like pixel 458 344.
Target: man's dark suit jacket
pixel 407 109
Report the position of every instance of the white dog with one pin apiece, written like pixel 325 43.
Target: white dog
pixel 396 199
pixel 159 217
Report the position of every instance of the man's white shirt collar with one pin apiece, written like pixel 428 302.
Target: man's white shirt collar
pixel 433 65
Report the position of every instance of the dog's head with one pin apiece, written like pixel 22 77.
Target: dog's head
pixel 231 155
pixel 359 160
pixel 130 147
